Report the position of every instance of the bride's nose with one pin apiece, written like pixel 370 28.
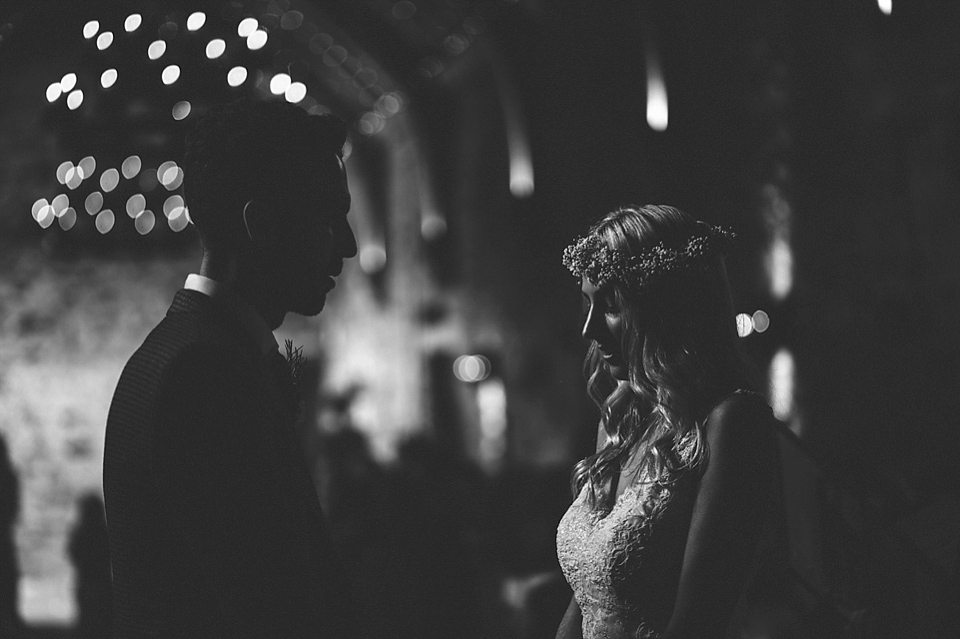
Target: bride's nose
pixel 590 328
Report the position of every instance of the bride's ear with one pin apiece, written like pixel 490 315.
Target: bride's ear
pixel 260 223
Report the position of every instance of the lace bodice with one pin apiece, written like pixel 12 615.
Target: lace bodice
pixel 624 566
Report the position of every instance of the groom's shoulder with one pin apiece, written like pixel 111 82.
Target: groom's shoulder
pixel 190 332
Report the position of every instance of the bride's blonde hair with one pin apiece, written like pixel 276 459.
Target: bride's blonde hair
pixel 681 350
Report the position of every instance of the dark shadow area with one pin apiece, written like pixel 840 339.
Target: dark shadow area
pixel 89 552
pixel 10 623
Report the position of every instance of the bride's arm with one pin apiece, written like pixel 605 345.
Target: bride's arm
pixel 571 625
pixel 728 516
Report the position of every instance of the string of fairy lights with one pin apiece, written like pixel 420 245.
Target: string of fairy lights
pixel 326 63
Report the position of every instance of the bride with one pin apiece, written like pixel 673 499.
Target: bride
pixel 679 510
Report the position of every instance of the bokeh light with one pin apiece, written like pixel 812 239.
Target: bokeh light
pixel 320 43
pixel 215 48
pixel 145 222
pixel 170 74
pixel 87 167
pixel 779 267
pixel 67 82
pixel 455 44
pixel 60 204
pixel 109 180
pixel 296 92
pixel 247 26
pixel 62 171
pixel 54 91
pixel 37 207
pixel 279 83
pixel 68 218
pixel 108 78
pixel 236 76
pixel 885 6
pixel 178 220
pixel 257 40
pixel 93 203
pixel 174 178
pixel 291 20
pixel 156 49
pixel 181 110
pixel 657 109
pixel 471 368
pixel 744 324
pixel 433 227
pixel 73 178
pixel 761 321
pixel 75 99
pixel 371 123
pixel 90 29
pixel 196 20
pixel 45 216
pixel 136 204
pixel 171 204
pixel 132 23
pixel 335 56
pixel 782 381
pixel 389 104
pixel 372 258
pixel 131 166
pixel 403 10
pixel 105 221
pixel 169 175
pixel 104 40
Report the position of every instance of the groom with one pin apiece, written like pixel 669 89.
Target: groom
pixel 215 528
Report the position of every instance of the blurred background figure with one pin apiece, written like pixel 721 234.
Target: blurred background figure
pixel 89 551
pixel 11 625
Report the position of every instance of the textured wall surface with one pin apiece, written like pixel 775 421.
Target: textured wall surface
pixel 67 329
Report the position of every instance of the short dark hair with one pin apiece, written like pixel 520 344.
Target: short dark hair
pixel 246 149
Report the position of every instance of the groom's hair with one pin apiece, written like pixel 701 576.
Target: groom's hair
pixel 247 149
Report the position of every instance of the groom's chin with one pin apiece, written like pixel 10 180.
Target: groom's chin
pixel 310 307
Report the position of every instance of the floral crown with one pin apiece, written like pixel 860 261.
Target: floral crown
pixel 590 257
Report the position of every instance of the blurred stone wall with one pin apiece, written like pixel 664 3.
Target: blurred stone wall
pixel 66 330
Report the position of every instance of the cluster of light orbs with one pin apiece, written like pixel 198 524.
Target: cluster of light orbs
pixel 66 85
pixel 250 29
pixel 747 324
pixel 471 368
pixel 59 209
pixel 282 84
pixel 168 174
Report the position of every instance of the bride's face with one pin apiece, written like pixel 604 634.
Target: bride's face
pixel 603 324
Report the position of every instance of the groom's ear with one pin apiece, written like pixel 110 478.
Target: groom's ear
pixel 260 222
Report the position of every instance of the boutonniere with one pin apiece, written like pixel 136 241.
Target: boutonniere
pixel 295 362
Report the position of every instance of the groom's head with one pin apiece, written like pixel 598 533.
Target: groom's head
pixel 265 184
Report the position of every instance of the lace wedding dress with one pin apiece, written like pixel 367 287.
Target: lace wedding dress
pixel 624 565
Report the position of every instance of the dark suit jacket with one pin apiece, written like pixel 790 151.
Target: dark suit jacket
pixel 215 528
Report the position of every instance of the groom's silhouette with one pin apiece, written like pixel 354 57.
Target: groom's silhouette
pixel 215 528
